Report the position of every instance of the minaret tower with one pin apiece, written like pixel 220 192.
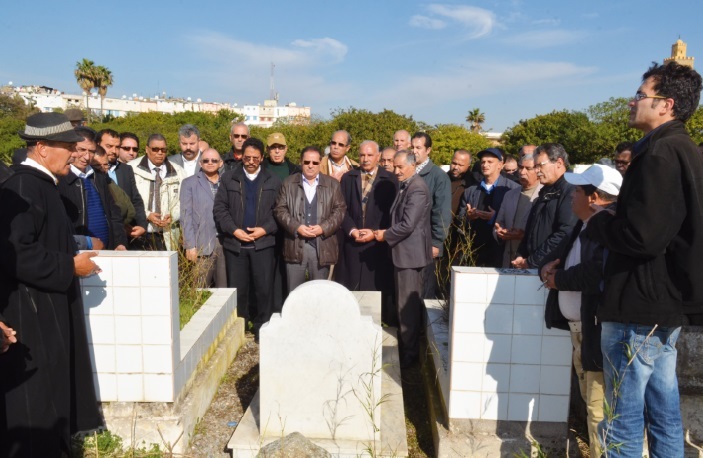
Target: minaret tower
pixel 678 54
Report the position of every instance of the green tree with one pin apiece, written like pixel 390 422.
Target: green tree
pixel 695 125
pixel 103 80
pixel 9 140
pixel 447 138
pixel 85 77
pixel 572 129
pixel 475 118
pixel 14 106
pixel 610 119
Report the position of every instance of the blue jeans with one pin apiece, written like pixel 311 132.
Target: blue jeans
pixel 642 390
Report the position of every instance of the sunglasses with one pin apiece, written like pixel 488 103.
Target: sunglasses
pixel 130 148
pixel 311 162
pixel 244 136
pixel 251 159
pixel 333 143
pixel 210 161
pixel 158 150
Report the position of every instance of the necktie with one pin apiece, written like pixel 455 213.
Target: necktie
pixel 365 189
pixel 157 190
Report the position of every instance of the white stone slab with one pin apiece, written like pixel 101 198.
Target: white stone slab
pixel 320 367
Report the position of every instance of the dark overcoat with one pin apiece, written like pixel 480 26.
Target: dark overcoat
pixel 46 382
pixel 367 266
pixel 75 202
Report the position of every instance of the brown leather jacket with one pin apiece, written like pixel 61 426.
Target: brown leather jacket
pixel 289 212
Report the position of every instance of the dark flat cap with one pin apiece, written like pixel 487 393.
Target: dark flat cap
pixel 49 126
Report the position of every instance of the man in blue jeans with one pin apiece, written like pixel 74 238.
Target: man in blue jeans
pixel 654 243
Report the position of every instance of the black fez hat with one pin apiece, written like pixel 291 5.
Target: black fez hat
pixel 51 127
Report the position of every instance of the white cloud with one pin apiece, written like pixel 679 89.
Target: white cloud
pixel 547 21
pixel 325 47
pixel 477 21
pixel 425 22
pixel 238 71
pixel 546 38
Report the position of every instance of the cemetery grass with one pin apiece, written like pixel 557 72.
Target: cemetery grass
pixel 240 383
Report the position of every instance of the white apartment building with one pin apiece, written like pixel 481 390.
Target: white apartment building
pixel 48 99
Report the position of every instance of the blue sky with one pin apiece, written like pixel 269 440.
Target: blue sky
pixel 435 61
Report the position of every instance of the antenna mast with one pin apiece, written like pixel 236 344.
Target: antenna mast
pixel 273 95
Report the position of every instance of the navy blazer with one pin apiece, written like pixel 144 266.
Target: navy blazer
pixel 196 214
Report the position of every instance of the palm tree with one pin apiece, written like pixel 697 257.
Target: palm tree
pixel 475 118
pixel 85 77
pixel 103 80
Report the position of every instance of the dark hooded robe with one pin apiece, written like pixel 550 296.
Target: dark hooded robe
pixel 46 384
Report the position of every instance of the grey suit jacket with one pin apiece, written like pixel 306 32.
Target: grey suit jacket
pixel 506 216
pixel 197 220
pixel 410 234
pixel 178 159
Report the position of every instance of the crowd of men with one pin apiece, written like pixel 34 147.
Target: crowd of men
pixel 252 220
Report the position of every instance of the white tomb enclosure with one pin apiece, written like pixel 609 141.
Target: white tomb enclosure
pixel 320 367
pixel 140 356
pixel 501 362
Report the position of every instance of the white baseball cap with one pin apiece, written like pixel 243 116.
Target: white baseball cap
pixel 603 177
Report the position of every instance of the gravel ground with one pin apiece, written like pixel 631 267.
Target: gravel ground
pixel 237 389
pixel 240 383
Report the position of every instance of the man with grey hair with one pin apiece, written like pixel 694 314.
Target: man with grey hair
pixel 410 239
pixel 189 142
pixel 512 217
pixel 238 134
pixel 401 140
pixel 551 218
pixel 369 192
pixel 338 163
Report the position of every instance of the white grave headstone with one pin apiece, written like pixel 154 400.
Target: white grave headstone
pixel 320 367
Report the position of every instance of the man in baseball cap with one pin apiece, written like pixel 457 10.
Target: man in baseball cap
pixel 277 162
pixel 47 380
pixel 574 272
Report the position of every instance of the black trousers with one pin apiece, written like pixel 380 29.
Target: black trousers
pixel 408 292
pixel 255 266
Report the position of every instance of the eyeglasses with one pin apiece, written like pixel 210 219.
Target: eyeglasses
pixel 244 136
pixel 619 162
pixel 333 143
pixel 311 162
pixel 130 148
pixel 641 95
pixel 82 151
pixel 210 161
pixel 251 159
pixel 158 150
pixel 542 164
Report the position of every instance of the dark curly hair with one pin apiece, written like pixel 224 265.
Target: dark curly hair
pixel 678 82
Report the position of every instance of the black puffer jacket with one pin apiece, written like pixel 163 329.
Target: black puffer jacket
pixel 655 240
pixel 551 220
